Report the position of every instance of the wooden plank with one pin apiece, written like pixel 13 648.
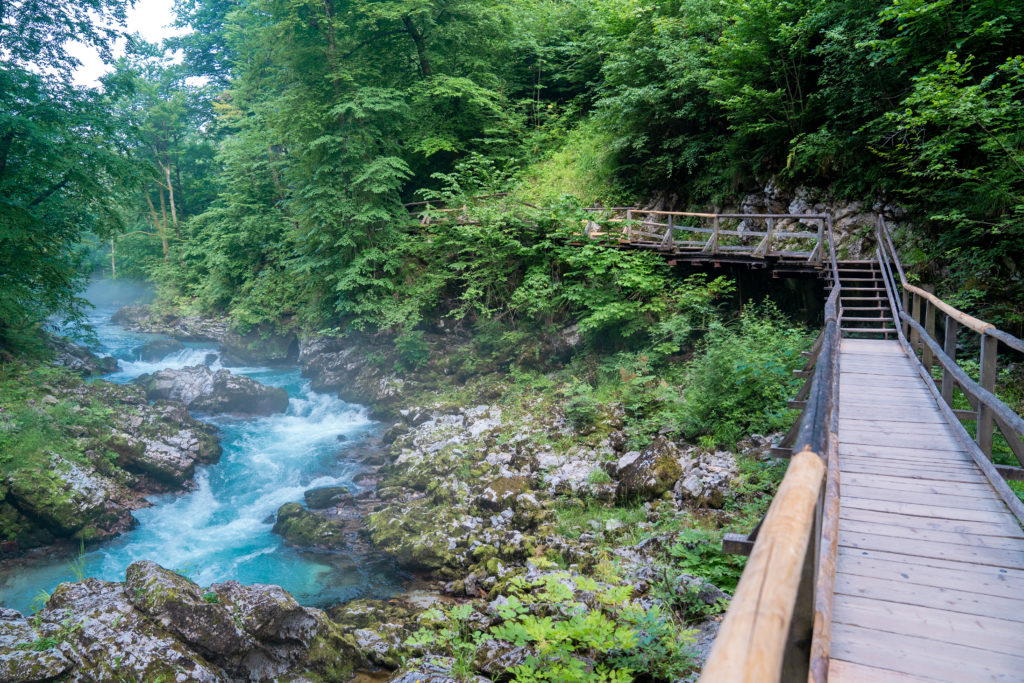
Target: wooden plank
pixel 840 671
pixel 893 428
pixel 924 534
pixel 954 552
pixel 878 410
pixel 984 633
pixel 993 505
pixel 908 471
pixel 897 409
pixel 958 526
pixel 927 441
pixel 934 511
pixel 923 657
pixel 882 386
pixel 946 462
pixel 909 384
pixel 872 450
pixel 925 571
pixel 942 460
pixel 900 467
pixel 882 481
pixel 931 596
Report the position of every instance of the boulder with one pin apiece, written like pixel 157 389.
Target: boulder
pixel 327 496
pixel 157 349
pixel 203 390
pixel 161 626
pixel 258 348
pixel 185 328
pixel 651 472
pixel 69 499
pixel 182 609
pixel 78 359
pixel 303 528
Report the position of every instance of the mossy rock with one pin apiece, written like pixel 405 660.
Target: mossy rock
pixel 302 528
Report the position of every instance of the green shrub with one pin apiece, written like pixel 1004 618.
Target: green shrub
pixel 741 381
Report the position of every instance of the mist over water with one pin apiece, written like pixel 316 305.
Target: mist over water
pixel 221 530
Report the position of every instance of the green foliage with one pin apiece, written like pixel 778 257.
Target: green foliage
pixel 743 378
pixel 700 553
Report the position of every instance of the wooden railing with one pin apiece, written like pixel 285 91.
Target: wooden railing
pixel 717 233
pixel 735 234
pixel 919 333
pixel 778 623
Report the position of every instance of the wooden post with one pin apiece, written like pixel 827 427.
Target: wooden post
pixel 989 351
pixel 906 305
pixel 668 240
pixel 629 225
pixel 714 236
pixel 821 236
pixel 929 326
pixel 949 346
pixel 915 313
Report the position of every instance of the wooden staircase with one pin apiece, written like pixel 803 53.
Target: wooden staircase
pixel 865 309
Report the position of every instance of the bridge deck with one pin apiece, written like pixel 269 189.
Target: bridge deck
pixel 930 571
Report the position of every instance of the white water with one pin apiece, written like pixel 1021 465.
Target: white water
pixel 221 530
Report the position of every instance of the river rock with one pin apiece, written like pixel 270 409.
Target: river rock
pixel 161 626
pixel 185 328
pixel 157 349
pixel 205 390
pixel 326 496
pixel 304 528
pixel 78 359
pixel 112 448
pixel 709 479
pixel 259 348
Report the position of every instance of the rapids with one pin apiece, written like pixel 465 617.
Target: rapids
pixel 221 530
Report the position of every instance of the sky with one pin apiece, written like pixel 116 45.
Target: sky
pixel 150 18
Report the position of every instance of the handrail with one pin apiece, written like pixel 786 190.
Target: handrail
pixel 916 310
pixel 641 227
pixel 778 624
pixel 753 639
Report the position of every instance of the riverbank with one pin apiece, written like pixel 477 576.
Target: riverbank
pixel 556 517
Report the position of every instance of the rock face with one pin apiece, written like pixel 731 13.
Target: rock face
pixel 97 472
pixel 853 223
pixel 345 365
pixel 78 359
pixel 206 391
pixel 157 349
pixel 259 348
pixel 158 625
pixel 188 328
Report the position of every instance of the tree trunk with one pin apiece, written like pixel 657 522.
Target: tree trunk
pixel 421 47
pixel 158 226
pixel 113 264
pixel 170 192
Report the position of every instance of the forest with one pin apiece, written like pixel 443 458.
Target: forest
pixel 263 176
pixel 378 398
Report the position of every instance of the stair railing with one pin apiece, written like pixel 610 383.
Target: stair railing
pixel 917 332
pixel 778 624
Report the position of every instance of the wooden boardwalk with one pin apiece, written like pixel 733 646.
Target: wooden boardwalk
pixel 929 578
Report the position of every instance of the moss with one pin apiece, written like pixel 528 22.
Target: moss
pixel 303 528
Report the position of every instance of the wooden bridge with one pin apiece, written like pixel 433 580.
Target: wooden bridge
pixel 893 549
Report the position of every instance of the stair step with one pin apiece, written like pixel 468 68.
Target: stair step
pixel 877 309
pixel 866 320
pixel 861 298
pixel 878 330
